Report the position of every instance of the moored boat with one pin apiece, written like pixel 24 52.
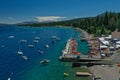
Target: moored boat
pixel 20 52
pixel 35 41
pixel 23 41
pixel 30 45
pixel 37 38
pixel 24 57
pixel 40 51
pixel 47 46
pixel 9 78
pixel 44 61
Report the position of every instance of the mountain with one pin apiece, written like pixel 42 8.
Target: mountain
pixel 33 22
pixel 27 22
pixel 104 23
pixel 3 24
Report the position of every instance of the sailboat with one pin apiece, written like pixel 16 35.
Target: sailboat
pixel 9 78
pixel 19 51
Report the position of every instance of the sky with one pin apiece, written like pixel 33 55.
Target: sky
pixel 15 11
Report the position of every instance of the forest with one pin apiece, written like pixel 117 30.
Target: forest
pixel 104 23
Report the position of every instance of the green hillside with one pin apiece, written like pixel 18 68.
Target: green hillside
pixel 102 24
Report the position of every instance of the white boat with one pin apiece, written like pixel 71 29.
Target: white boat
pixel 11 37
pixel 9 78
pixel 20 52
pixel 30 45
pixel 23 41
pixel 40 51
pixel 44 61
pixel 54 37
pixel 35 41
pixel 2 46
pixel 37 38
pixel 47 46
pixel 25 57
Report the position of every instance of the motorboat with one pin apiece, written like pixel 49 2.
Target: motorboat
pixel 11 37
pixel 30 45
pixel 40 51
pixel 47 46
pixel 54 37
pixel 35 41
pixel 10 76
pixel 23 41
pixel 37 38
pixel 20 52
pixel 44 61
pixel 24 57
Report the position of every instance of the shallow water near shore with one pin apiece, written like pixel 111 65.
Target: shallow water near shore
pixel 12 65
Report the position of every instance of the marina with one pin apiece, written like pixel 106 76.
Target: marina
pixel 72 55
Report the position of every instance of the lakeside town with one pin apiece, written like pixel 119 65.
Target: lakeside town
pixel 102 61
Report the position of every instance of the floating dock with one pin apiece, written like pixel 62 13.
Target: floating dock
pixel 83 74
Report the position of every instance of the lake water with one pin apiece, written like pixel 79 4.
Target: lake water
pixel 14 66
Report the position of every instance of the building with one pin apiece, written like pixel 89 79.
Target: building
pixel 116 34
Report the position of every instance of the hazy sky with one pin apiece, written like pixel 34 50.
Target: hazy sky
pixel 14 11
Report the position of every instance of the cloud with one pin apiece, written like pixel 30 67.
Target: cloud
pixel 49 18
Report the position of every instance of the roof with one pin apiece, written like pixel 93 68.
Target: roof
pixel 118 42
pixel 105 42
pixel 103 46
pixel 115 34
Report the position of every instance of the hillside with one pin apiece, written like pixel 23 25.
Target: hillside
pixel 102 24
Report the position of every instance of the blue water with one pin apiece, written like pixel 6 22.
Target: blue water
pixel 12 65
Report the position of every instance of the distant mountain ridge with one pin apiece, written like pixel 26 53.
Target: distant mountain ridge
pixel 2 24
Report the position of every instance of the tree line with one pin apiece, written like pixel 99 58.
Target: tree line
pixel 102 24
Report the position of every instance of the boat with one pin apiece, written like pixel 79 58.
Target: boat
pixel 20 52
pixel 47 46
pixel 44 61
pixel 37 38
pixel 30 45
pixel 35 41
pixel 11 37
pixel 54 37
pixel 40 51
pixel 2 46
pixel 24 57
pixel 9 78
pixel 23 41
pixel 66 74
